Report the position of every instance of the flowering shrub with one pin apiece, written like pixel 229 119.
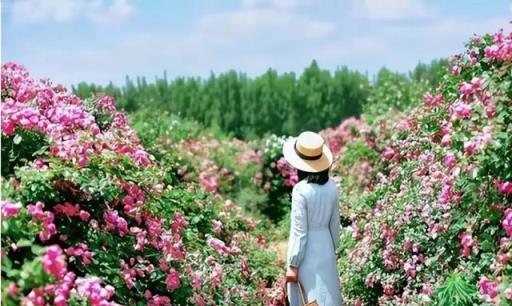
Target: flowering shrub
pixel 441 203
pixel 278 178
pixel 90 217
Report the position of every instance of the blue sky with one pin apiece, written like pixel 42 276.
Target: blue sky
pixel 103 40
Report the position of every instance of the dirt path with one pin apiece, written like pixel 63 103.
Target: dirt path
pixel 281 248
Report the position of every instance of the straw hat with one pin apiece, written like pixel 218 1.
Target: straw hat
pixel 308 152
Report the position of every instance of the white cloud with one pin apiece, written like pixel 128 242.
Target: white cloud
pixel 446 31
pixel 99 11
pixel 316 29
pixel 276 4
pixel 389 9
pixel 360 47
pixel 269 21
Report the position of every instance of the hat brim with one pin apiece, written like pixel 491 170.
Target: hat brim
pixel 294 159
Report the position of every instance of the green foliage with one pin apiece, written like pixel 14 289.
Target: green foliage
pixel 20 148
pixel 154 127
pixel 356 152
pixel 248 107
pixel 455 291
pixel 393 91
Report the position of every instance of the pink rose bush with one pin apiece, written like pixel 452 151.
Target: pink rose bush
pixel 91 216
pixel 440 202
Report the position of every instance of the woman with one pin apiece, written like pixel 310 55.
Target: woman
pixel 315 223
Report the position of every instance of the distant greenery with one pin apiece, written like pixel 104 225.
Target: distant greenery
pixel 278 103
pixel 397 91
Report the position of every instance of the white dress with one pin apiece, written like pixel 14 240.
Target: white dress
pixel 314 237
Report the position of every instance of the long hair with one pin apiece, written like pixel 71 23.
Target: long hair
pixel 319 178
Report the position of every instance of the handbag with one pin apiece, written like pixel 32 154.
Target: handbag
pixel 302 295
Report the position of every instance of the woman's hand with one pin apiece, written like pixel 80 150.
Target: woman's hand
pixel 292 274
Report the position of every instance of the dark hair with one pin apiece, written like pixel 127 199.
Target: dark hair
pixel 319 178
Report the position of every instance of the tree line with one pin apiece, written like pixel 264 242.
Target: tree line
pixel 246 107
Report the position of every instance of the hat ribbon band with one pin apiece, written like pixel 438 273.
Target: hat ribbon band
pixel 306 157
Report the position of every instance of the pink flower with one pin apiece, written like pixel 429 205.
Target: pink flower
pixel 81 250
pixel 427 289
pixel 461 110
pixel 371 279
pixel 358 302
pixel 35 297
pixel 196 280
pixel 432 101
pixel 54 261
pixel 456 70
pixel 142 158
pixel 159 300
pixel 10 209
pixel 67 209
pixel 96 294
pixel 13 290
pixel 507 221
pixel 244 267
pixel 288 173
pixel 488 287
pixel 106 103
pixel 470 147
pixel 218 245
pixel 466 88
pixel 467 242
pixel 446 140
pixel 450 160
pixel 128 274
pixel 209 182
pixel 410 269
pixel 216 276
pixel 84 215
pixel 503 187
pixel 469 88
pixel 508 293
pixel 490 110
pixel 503 258
pixel 217 226
pixel 36 211
pixel 113 221
pixel 45 217
pixel 63 289
pixel 388 153
pixel 173 279
pixel 198 300
pixel 122 225
pixel 179 222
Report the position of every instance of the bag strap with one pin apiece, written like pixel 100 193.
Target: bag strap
pixel 302 293
pixel 285 293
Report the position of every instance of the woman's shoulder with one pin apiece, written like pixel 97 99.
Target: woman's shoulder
pixel 300 187
pixel 303 187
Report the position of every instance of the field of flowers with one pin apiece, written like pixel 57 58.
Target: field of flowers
pixel 98 211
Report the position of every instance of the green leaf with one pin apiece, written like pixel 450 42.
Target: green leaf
pixel 195 220
pixel 24 243
pixel 17 139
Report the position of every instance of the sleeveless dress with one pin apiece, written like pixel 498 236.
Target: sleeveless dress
pixel 314 237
